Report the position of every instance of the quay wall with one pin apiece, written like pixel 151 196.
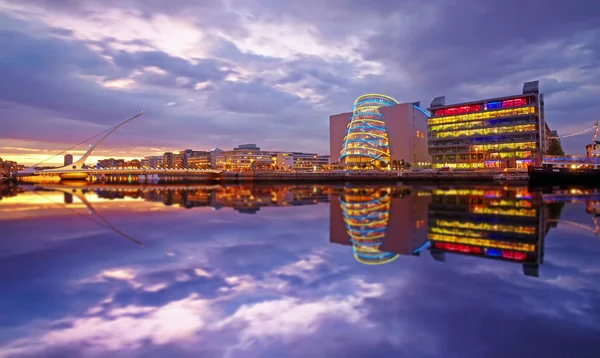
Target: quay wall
pixel 232 177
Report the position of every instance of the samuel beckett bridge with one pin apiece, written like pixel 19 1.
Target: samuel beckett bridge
pixel 78 170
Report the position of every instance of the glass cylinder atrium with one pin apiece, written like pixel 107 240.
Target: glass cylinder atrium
pixel 366 142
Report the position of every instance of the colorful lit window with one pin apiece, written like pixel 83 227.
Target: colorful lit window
pixel 458 110
pixel 494 105
pixel 516 102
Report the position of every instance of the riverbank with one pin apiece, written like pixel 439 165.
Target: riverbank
pixel 283 176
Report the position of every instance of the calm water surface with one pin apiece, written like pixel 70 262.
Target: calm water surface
pixel 299 271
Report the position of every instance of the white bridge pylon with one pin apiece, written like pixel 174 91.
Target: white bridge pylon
pixel 78 165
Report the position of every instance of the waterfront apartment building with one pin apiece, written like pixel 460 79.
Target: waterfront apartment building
pixel 505 132
pixel 110 163
pixel 378 133
pixel 198 160
pixel 7 167
pixel 152 162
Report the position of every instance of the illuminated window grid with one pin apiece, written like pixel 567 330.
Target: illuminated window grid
pixel 482 115
pixel 477 234
pixel 482 209
pixel 460 192
pixel 516 229
pixel 516 246
pixel 454 149
pixel 510 203
pixel 502 122
pixel 484 131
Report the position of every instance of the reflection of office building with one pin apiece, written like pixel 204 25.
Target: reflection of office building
pixel 379 223
pixel 494 223
pixel 492 133
pixel 378 133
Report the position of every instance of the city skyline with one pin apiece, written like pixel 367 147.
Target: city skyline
pixel 239 72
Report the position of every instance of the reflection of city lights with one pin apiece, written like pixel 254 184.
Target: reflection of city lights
pixel 366 213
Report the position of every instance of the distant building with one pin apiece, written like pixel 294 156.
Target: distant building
pixel 167 160
pixel 152 162
pixel 198 160
pixel 7 167
pixel 251 157
pixel 214 154
pixel 68 160
pixel 110 163
pixel 505 132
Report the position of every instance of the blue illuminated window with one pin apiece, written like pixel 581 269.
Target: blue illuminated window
pixel 494 105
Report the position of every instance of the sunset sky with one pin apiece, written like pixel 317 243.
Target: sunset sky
pixel 221 73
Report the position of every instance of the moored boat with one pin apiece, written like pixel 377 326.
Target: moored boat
pixel 566 170
pixel 512 176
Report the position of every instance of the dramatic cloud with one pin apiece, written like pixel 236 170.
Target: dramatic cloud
pixel 218 73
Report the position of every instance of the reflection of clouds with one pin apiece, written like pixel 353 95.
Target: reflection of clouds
pixel 126 328
pixel 253 289
pixel 109 326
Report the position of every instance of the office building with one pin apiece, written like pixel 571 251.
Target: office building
pixel 68 160
pixel 199 160
pixel 8 166
pixel 152 162
pixel 505 132
pixel 303 161
pixel 378 133
pixel 214 154
pixel 110 163
pixel 168 160
pixel 251 157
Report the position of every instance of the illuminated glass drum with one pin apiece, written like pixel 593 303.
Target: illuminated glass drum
pixel 366 142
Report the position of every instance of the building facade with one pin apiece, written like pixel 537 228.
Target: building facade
pixel 251 157
pixel 506 132
pixel 167 160
pixel 198 160
pixel 68 160
pixel 152 162
pixel 7 167
pixel 378 133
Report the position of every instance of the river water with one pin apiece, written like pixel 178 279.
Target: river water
pixel 299 271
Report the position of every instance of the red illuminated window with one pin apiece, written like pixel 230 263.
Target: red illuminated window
pixel 514 255
pixel 458 110
pixel 458 248
pixel 516 102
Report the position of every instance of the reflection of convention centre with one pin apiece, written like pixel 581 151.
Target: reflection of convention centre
pixel 381 133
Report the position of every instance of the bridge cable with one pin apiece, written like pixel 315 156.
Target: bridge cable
pixel 78 144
